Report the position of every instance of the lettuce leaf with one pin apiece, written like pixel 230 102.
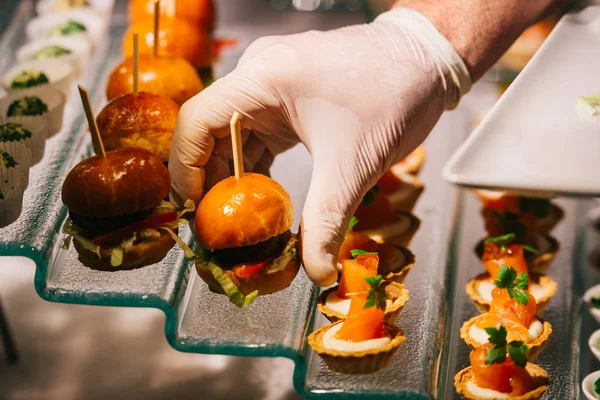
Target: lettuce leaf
pixel 287 255
pixel 231 290
pixel 588 104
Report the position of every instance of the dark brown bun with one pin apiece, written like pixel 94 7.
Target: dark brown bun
pixel 265 284
pixel 143 120
pixel 145 253
pixel 243 212
pixel 172 77
pixel 126 181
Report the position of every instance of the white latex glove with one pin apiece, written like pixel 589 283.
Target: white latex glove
pixel 359 98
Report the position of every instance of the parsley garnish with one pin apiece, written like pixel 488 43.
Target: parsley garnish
pixel 28 105
pixel 26 79
pixel 352 223
pixel 505 240
pixel 11 132
pixel 355 252
pixel 597 386
pixel 376 296
pixel 369 197
pixel 516 285
pixel 517 351
pixel 595 301
pixel 6 160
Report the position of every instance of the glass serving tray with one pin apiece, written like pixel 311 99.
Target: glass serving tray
pixel 278 325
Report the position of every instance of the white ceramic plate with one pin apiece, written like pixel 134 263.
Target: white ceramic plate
pixel 535 139
pixel 588 385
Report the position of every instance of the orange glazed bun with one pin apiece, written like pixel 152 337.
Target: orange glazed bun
pixel 172 77
pixel 145 120
pixel 198 12
pixel 177 37
pixel 243 212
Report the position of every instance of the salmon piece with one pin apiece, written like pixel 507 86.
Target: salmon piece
pixel 389 183
pixel 376 214
pixel 361 323
pixel 354 273
pixel 503 377
pixel 515 317
pixel 493 258
pixel 356 240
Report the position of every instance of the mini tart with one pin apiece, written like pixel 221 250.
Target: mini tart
pixel 539 375
pixel 483 304
pixel 406 196
pixel 542 225
pixel 535 347
pixel 356 362
pixel 396 272
pixel 398 233
pixel 547 247
pixel 397 295
pixel 411 164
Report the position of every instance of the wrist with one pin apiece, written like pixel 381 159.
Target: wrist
pixel 480 30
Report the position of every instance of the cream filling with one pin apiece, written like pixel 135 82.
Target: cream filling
pixel 388 231
pixel 485 290
pixel 480 335
pixel 485 393
pixel 331 343
pixel 342 306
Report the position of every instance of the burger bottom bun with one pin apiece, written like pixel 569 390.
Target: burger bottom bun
pixel 264 283
pixel 143 254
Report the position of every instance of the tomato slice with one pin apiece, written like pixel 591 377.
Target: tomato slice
pixel 154 221
pixel 247 270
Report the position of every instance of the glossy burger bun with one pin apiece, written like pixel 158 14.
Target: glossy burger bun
pixel 126 181
pixel 264 283
pixel 201 13
pixel 177 37
pixel 243 212
pixel 168 76
pixel 143 120
pixel 145 253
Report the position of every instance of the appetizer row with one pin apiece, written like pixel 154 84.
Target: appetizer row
pixel 374 263
pixel 510 295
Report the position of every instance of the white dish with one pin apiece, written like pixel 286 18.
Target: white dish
pixel 535 140
pixel 77 59
pixel 59 75
pixel 592 343
pixel 100 7
pixel 594 291
pixel 588 385
pixel 42 26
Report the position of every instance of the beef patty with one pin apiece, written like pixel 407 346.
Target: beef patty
pixel 272 247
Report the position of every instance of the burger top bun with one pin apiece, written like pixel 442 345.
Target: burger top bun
pixel 198 12
pixel 125 181
pixel 177 37
pixel 143 120
pixel 243 212
pixel 168 76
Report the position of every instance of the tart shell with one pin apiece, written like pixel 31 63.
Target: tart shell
pixel 412 163
pixel 535 347
pixel 483 305
pixel 396 292
pixel 359 362
pixel 402 239
pixel 539 375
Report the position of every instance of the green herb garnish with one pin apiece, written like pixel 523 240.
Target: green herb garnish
pixel 51 51
pixel 67 28
pixel 355 252
pixel 595 301
pixel 12 132
pixel 30 78
pixel 352 223
pixel 516 285
pixel 517 351
pixel 376 296
pixel 27 106
pixel 503 241
pixel 597 386
pixel 6 160
pixel 369 197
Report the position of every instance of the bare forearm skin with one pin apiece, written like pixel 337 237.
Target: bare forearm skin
pixel 482 30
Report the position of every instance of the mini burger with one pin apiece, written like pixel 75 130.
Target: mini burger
pixel 143 120
pixel 117 217
pixel 246 247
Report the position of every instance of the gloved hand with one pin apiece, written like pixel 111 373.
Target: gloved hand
pixel 359 98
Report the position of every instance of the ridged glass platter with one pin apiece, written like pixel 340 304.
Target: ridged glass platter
pixel 278 325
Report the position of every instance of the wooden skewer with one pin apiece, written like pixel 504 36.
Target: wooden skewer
pixel 156 26
pixel 236 144
pixel 89 113
pixel 136 57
